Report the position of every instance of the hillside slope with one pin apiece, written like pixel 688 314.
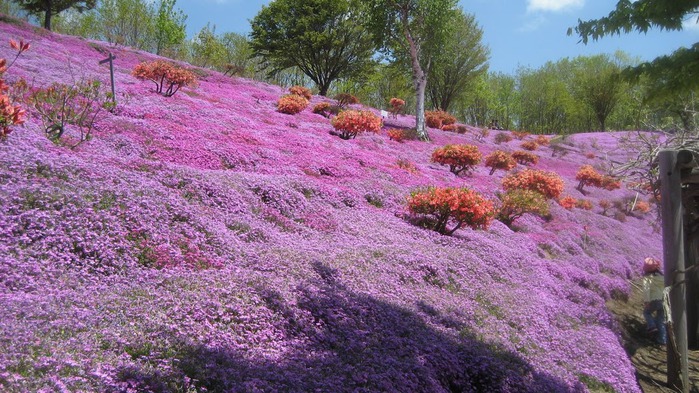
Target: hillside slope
pixel 206 242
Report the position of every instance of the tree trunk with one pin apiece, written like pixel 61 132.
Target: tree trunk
pixel 323 89
pixel 420 85
pixel 48 15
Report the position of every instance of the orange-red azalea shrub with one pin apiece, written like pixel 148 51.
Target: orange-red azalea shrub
pixel 455 207
pixel 502 137
pixel 520 134
pixel 515 203
pixel 459 157
pixel 543 140
pixel 500 160
pixel 346 99
pixel 568 202
pixel 584 204
pixel 291 104
pixel 301 91
pixel 322 108
pixel 350 123
pixel 396 105
pixel 525 158
pixel 10 114
pixel 549 184
pixel 530 145
pixel 168 78
pixel 437 119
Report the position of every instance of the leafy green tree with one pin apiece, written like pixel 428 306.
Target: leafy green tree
pixel 126 22
pixel 597 83
pixel 414 30
pixel 462 60
pixel 668 74
pixel 238 53
pixel 323 38
pixel 169 29
pixel 545 101
pixel 50 8
pixel 207 49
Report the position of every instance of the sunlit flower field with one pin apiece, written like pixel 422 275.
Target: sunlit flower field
pixel 205 242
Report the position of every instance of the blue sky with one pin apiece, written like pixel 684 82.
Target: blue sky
pixel 524 33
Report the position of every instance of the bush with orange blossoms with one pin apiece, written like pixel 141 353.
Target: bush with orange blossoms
pixel 346 99
pixel 588 176
pixel 396 105
pixel 449 127
pixel 530 145
pixel 502 137
pixel 568 202
pixel 350 123
pixel 455 207
pixel 525 158
pixel 520 134
pixel 168 78
pixel 516 203
pixel 610 184
pixel 459 157
pixel 291 104
pixel 437 119
pixel 322 108
pixel 549 184
pixel 584 204
pixel 10 114
pixel 396 134
pixel 605 205
pixel 500 160
pixel 461 129
pixel 301 91
pixel 543 140
pixel 407 165
pixel 642 207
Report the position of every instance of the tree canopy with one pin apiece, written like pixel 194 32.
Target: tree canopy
pixel 414 30
pixel 323 38
pixel 677 71
pixel 53 7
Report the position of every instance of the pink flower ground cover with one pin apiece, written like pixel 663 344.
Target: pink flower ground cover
pixel 206 242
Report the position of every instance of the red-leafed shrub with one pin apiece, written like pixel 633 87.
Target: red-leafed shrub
pixel 301 91
pixel 543 140
pixel 346 99
pixel 516 203
pixel 605 205
pixel 168 78
pixel 584 204
pixel 437 119
pixel 407 165
pixel 500 160
pixel 459 157
pixel 549 184
pixel 396 134
pixel 520 134
pixel 461 129
pixel 452 206
pixel 525 158
pixel 396 105
pixel 350 123
pixel 530 145
pixel 323 109
pixel 449 127
pixel 568 202
pixel 588 176
pixel 291 104
pixel 642 207
pixel 502 137
pixel 10 114
pixel 590 155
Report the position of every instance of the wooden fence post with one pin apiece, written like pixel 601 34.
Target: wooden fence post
pixel 673 255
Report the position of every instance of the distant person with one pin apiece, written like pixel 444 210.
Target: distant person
pixel 653 311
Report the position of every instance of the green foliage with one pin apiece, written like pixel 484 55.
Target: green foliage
pixel 597 83
pixel 169 26
pixel 323 38
pixel 455 68
pixel 77 106
pixel 49 8
pixel 413 32
pixel 669 74
pixel 207 49
pixel 517 202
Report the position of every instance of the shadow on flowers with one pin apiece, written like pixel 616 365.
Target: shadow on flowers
pixel 337 340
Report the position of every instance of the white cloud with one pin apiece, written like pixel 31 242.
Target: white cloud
pixel 554 5
pixel 691 23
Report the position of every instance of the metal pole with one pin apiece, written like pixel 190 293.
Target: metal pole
pixel 673 256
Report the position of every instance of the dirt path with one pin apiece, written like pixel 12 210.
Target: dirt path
pixel 648 357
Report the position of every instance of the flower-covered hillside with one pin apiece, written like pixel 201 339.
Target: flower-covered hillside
pixel 208 242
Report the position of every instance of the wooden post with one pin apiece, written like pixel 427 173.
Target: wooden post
pixel 673 256
pixel 110 60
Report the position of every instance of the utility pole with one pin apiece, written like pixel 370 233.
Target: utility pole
pixel 671 164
